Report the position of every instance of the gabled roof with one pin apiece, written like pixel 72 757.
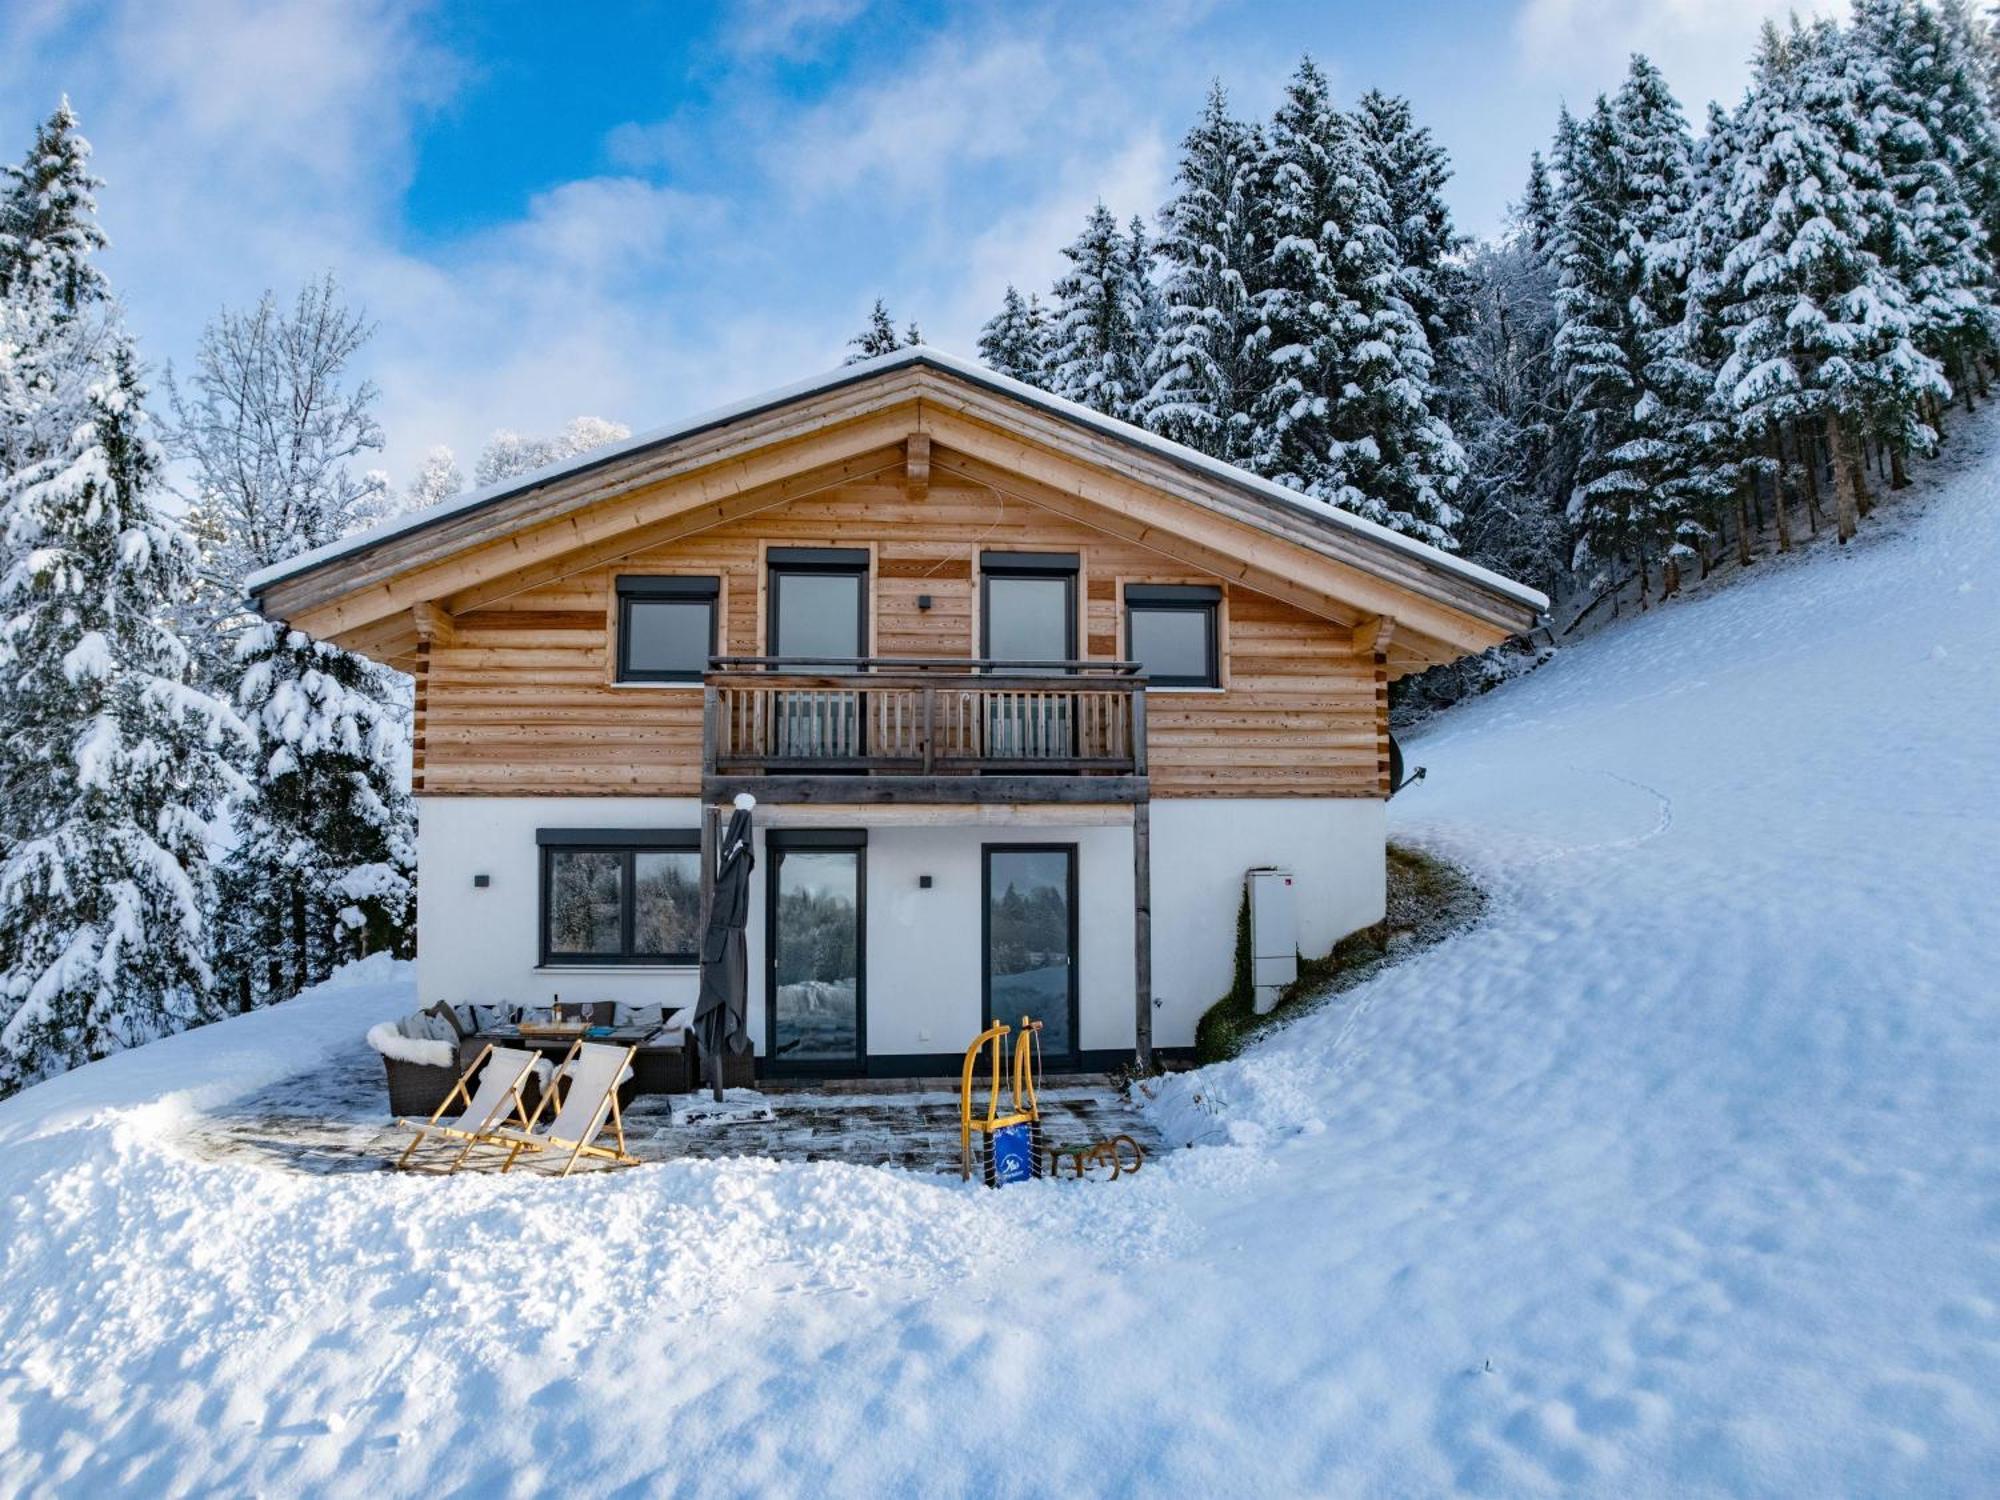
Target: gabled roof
pixel 383 591
pixel 1287 501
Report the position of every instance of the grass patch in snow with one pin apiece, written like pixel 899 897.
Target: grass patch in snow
pixel 1428 900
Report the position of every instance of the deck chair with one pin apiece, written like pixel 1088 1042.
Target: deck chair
pixel 589 1079
pixel 503 1073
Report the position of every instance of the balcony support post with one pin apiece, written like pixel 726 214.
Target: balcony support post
pixel 1142 931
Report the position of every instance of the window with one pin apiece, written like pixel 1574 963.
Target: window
pixel 666 628
pixel 1170 631
pixel 818 602
pixel 1027 603
pixel 620 896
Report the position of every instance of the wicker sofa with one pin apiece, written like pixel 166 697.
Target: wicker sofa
pixel 425 1053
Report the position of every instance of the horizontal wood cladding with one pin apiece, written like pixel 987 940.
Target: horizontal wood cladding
pixel 519 700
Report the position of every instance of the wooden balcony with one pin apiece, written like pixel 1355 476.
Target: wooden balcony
pixel 916 729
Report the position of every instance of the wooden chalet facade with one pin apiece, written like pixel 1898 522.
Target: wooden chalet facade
pixel 1021 692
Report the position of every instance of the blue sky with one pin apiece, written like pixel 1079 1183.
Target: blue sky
pixel 641 210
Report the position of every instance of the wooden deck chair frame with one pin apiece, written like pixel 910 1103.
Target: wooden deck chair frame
pixel 526 1140
pixel 462 1092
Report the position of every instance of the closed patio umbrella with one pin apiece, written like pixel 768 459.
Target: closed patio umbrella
pixel 720 1014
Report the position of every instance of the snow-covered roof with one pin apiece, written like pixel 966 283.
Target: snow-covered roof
pixel 912 355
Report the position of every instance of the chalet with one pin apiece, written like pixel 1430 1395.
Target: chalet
pixel 1022 692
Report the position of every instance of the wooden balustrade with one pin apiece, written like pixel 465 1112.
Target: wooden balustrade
pixel 977 731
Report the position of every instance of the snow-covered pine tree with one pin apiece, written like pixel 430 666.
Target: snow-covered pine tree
pixel 1508 406
pixel 1715 463
pixel 1656 185
pixel 438 479
pixel 1142 258
pixel 1623 245
pixel 1201 372
pixel 1912 91
pixel 1015 339
pixel 323 866
pixel 1098 310
pixel 878 337
pixel 1414 169
pixel 48 214
pixel 508 455
pixel 1969 70
pixel 1343 376
pixel 115 761
pixel 1819 327
pixel 1596 347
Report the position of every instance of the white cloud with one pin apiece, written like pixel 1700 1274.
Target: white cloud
pixel 962 103
pixel 1703 46
pixel 789 28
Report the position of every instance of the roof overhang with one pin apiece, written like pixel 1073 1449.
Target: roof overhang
pixel 366 591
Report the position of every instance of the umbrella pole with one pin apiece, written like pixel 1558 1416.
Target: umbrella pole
pixel 710 818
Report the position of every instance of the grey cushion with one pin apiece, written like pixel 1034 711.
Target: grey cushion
pixel 640 1015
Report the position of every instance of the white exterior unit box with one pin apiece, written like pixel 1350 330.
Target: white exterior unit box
pixel 1274 936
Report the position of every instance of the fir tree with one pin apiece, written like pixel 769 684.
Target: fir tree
pixel 1202 368
pixel 1819 327
pixel 1622 242
pixel 115 761
pixel 1095 356
pixel 1931 151
pixel 1015 339
pixel 879 336
pixel 325 865
pixel 1413 169
pixel 1344 406
pixel 48 217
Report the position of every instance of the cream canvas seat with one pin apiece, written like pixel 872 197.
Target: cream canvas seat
pixel 503 1074
pixel 588 1080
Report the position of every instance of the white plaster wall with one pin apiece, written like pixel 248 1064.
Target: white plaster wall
pixel 923 949
pixel 923 946
pixel 1201 848
pixel 482 945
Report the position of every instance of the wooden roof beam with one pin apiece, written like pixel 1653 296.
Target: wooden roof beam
pixel 917 465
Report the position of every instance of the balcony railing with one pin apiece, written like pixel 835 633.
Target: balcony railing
pixel 827 729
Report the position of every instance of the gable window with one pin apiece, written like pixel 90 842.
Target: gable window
pixel 1170 630
pixel 1027 606
pixel 620 896
pixel 666 628
pixel 819 603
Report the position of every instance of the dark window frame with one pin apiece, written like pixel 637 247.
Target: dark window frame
pixel 675 588
pixel 628 844
pixel 1061 566
pixel 1179 598
pixel 1074 851
pixel 777 843
pixel 810 561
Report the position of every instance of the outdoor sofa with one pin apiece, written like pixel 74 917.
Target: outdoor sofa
pixel 424 1054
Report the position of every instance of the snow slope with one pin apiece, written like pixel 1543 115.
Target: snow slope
pixel 1679 1175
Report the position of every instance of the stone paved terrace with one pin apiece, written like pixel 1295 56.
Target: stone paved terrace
pixel 335 1119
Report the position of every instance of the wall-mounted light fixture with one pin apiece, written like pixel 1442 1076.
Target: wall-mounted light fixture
pixel 480 882
pixel 923 882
